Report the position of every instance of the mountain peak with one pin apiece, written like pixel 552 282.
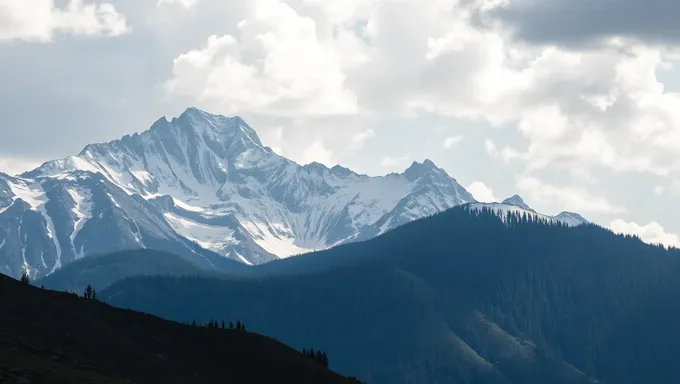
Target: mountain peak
pixel 193 111
pixel 341 171
pixel 572 218
pixel 517 201
pixel 225 135
pixel 315 167
pixel 417 169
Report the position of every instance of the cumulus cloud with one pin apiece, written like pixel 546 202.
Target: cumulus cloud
pixel 359 139
pixel 481 192
pixel 575 108
pixel 39 20
pixel 652 233
pixel 317 152
pixel 567 198
pixel 278 66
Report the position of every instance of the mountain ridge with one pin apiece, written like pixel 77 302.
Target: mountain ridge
pixel 205 187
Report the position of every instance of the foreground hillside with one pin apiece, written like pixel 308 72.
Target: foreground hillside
pixel 53 337
pixel 461 297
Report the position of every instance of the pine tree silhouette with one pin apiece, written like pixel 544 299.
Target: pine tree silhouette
pixel 89 293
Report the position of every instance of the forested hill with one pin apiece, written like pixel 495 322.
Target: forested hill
pixel 54 337
pixel 461 297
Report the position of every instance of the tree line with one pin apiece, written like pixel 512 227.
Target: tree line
pixel 318 356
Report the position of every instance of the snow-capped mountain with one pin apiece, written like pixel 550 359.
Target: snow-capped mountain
pixel 205 187
pixel 46 223
pixel 517 201
pixel 202 185
pixel 515 204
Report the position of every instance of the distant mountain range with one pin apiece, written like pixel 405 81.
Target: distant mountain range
pixel 204 187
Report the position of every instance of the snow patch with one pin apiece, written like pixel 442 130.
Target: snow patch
pixel 187 207
pixel 207 236
pixel 35 196
pixel 281 246
pixel 83 211
pixel 243 259
pixel 4 239
pixel 115 203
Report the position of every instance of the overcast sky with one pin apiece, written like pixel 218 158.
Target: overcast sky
pixel 573 104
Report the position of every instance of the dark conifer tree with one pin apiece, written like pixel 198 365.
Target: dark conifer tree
pixel 25 278
pixel 89 292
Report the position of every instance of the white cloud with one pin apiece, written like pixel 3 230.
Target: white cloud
pixel 594 107
pixel 278 66
pixel 393 162
pixel 274 139
pixel 451 141
pixel 481 192
pixel 567 198
pixel 575 108
pixel 652 233
pixel 359 139
pixel 317 152
pixel 14 165
pixel 39 20
pixel 490 147
pixel 659 190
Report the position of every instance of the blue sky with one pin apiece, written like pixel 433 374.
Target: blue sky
pixel 571 104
